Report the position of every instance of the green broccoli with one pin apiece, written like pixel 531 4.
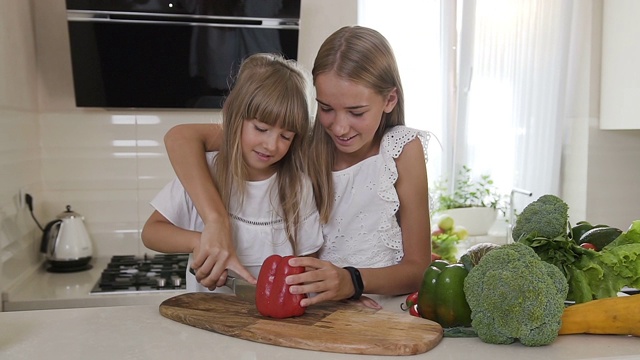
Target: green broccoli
pixel 514 295
pixel 547 217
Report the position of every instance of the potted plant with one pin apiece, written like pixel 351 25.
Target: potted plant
pixel 473 203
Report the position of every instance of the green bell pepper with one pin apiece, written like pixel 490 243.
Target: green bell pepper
pixel 441 295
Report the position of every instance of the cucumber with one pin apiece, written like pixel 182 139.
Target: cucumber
pixel 600 236
pixel 580 229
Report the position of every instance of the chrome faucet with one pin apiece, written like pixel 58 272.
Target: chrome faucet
pixel 512 211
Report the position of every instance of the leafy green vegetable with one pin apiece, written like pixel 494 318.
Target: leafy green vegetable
pixel 590 274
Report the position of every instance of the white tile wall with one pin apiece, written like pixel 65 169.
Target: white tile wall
pixel 613 177
pixel 108 166
pixel 19 139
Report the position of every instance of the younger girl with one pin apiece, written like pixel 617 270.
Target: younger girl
pixel 260 173
pixel 368 172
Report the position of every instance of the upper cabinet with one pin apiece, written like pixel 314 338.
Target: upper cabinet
pixel 620 87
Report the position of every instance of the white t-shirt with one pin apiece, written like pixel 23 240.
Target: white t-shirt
pixel 363 230
pixel 257 229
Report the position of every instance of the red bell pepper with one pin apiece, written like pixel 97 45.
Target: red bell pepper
pixel 273 298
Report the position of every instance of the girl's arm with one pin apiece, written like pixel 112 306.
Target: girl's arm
pixel 186 146
pixel 334 283
pixel 414 218
pixel 161 235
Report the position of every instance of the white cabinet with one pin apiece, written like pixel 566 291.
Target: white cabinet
pixel 620 87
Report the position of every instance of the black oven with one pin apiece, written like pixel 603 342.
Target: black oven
pixel 171 54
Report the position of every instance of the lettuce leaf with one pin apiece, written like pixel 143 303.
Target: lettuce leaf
pixel 616 266
pixel 594 275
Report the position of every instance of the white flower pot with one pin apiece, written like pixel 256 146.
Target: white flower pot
pixel 477 220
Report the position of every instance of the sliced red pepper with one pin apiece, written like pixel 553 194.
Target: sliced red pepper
pixel 273 298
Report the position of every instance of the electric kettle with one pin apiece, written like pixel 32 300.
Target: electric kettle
pixel 66 243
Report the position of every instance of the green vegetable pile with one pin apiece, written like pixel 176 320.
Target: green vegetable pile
pixel 544 226
pixel 514 295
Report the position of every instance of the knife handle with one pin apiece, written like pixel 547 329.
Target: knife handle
pixel 230 282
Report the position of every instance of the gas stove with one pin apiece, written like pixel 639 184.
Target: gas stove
pixel 148 273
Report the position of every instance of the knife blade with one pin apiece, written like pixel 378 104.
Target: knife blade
pixel 243 289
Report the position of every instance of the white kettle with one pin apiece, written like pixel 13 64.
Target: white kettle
pixel 66 243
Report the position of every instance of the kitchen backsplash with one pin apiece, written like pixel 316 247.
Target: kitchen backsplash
pixel 108 166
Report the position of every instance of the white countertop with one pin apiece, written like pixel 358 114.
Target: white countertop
pixel 45 290
pixel 140 332
pixel 80 326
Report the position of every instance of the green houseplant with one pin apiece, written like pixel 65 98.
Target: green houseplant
pixel 468 192
pixel 474 202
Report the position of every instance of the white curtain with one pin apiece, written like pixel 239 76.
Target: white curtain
pixel 512 111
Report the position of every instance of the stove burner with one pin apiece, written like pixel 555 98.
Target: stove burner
pixel 130 273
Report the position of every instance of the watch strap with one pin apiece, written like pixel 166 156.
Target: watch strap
pixel 358 285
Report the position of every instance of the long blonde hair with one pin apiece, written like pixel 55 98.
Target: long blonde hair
pixel 363 56
pixel 273 91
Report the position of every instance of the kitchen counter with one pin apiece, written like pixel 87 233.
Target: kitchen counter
pixel 45 290
pixel 42 290
pixel 140 332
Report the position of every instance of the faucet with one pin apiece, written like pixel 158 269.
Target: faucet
pixel 512 212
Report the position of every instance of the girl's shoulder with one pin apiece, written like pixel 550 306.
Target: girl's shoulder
pixel 395 139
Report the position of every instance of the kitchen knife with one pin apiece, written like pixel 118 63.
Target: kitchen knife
pixel 243 289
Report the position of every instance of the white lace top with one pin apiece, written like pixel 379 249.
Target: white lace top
pixel 258 231
pixel 363 230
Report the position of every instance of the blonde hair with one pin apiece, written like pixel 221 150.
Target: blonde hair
pixel 363 56
pixel 273 91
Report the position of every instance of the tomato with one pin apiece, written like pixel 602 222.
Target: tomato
pixel 589 246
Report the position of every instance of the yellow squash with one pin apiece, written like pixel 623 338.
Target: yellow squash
pixel 616 315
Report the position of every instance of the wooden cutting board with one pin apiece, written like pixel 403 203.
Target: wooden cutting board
pixel 339 327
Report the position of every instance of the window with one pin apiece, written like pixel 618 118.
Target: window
pixel 507 85
pixel 412 27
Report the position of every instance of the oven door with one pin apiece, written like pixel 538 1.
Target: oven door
pixel 184 59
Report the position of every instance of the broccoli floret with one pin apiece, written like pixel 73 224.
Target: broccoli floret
pixel 547 217
pixel 514 295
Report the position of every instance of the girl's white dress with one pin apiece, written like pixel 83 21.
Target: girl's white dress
pixel 258 231
pixel 363 230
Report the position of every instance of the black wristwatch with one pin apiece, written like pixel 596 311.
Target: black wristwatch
pixel 358 285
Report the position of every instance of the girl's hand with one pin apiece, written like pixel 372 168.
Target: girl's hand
pixel 369 302
pixel 325 280
pixel 214 255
